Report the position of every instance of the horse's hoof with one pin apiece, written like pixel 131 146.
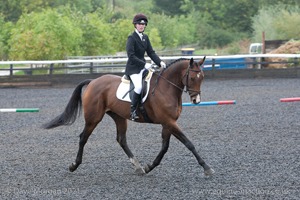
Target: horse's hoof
pixel 147 168
pixel 73 167
pixel 140 171
pixel 209 172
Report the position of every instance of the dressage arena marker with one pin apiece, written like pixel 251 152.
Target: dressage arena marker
pixel 211 103
pixel 290 99
pixel 19 110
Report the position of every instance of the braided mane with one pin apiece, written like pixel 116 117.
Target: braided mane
pixel 175 61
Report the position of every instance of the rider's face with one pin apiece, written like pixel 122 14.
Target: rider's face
pixel 140 27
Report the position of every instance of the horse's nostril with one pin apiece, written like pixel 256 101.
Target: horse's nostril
pixel 196 99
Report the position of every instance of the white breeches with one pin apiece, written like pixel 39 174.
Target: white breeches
pixel 137 81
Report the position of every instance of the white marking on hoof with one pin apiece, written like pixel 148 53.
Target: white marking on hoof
pixel 146 168
pixel 140 171
pixel 209 172
pixel 135 162
pixel 138 168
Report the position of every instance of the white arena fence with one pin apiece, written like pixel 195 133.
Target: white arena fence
pixel 112 64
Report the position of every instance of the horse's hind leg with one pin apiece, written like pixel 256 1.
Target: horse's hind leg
pixel 84 136
pixel 165 145
pixel 121 125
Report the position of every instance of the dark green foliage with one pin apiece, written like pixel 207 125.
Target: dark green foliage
pixel 53 29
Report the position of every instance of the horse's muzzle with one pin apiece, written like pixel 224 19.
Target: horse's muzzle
pixel 196 99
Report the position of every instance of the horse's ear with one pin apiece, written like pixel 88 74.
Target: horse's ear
pixel 202 61
pixel 191 62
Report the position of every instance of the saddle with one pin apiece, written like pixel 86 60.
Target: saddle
pixel 125 89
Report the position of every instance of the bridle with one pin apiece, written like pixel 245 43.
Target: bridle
pixel 187 90
pixel 191 92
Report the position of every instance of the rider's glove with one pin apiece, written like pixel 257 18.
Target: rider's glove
pixel 163 64
pixel 148 65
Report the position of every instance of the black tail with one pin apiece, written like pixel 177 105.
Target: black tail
pixel 71 111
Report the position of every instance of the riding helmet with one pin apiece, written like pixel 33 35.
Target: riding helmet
pixel 140 18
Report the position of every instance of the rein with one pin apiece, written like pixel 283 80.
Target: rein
pixel 181 89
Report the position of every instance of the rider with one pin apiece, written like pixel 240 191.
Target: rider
pixel 137 44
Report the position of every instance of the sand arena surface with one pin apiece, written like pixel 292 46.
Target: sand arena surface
pixel 253 146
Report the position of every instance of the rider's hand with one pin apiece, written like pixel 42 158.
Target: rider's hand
pixel 163 64
pixel 148 65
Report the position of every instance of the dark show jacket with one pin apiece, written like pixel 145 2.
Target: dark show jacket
pixel 136 49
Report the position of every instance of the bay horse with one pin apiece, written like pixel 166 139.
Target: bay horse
pixel 163 106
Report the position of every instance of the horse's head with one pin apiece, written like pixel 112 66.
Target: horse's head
pixel 193 79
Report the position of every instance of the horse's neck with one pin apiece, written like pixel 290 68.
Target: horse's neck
pixel 176 73
pixel 170 82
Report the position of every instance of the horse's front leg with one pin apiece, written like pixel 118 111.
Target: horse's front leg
pixel 182 138
pixel 121 138
pixel 165 145
pixel 121 125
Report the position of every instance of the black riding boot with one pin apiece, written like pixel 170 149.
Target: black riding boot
pixel 134 104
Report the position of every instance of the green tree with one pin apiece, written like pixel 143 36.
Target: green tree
pixel 155 39
pixel 169 7
pixel 10 9
pixel 97 37
pixel 267 3
pixel 13 9
pixel 273 21
pixel 121 29
pixel 100 3
pixel 44 36
pixel 229 15
pixel 291 29
pixel 212 37
pixel 101 26
pixel 128 8
pixel 168 29
pixel 262 22
pixel 85 6
pixel 5 28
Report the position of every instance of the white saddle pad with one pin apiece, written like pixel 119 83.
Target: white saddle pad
pixel 125 86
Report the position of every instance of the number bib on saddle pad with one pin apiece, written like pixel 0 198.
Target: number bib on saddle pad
pixel 125 88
